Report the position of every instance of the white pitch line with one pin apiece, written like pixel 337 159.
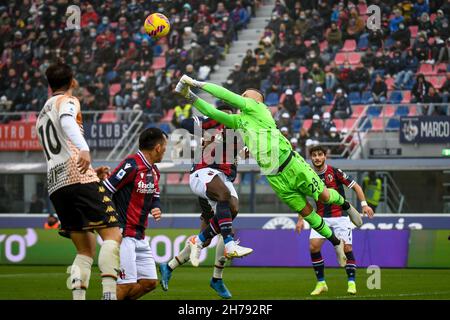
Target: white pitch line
pixel 395 295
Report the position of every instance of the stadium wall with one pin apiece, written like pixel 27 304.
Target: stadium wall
pixel 394 241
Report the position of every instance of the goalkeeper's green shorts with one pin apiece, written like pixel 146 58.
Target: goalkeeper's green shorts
pixel 295 182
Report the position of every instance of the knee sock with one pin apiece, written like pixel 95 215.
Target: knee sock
pixel 224 219
pixel 318 265
pixel 211 230
pixel 181 258
pixel 219 263
pixel 317 223
pixel 108 262
pixel 350 267
pixel 80 273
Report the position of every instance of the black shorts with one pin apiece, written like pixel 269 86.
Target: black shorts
pixel 207 211
pixel 83 207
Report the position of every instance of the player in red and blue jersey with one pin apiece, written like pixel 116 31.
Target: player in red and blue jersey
pixel 212 182
pixel 335 217
pixel 134 185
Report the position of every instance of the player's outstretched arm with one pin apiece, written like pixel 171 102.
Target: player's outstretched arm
pixel 229 120
pixel 219 92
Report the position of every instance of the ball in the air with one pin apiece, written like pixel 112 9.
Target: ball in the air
pixel 157 25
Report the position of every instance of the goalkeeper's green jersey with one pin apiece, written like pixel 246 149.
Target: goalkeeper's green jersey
pixel 255 123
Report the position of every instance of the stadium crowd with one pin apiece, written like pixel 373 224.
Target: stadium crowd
pixel 111 54
pixel 314 54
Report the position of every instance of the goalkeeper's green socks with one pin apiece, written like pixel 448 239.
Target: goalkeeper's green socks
pixel 317 223
pixel 335 198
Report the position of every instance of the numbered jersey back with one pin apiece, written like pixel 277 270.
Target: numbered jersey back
pixel 60 153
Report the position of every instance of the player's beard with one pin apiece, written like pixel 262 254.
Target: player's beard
pixel 318 167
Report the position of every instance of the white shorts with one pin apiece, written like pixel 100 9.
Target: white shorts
pixel 341 226
pixel 136 261
pixel 199 179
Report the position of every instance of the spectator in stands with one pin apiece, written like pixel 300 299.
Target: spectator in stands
pixel 334 38
pixel 420 89
pixel 316 27
pixel 285 120
pixel 395 64
pixel 318 101
pixel 289 102
pixel 425 24
pixel 236 79
pixel 446 91
pixel 421 48
pixel 122 98
pixel 318 75
pixel 239 16
pixel 376 39
pixel 305 111
pixel 440 25
pixel 379 90
pixel 344 75
pixel 420 7
pixel 355 25
pixel 327 123
pixel 181 112
pixel 299 51
pixel 359 78
pixel 330 78
pixel 444 53
pixel 302 138
pixel 368 58
pixel 396 20
pixel 152 107
pixel 253 77
pixel 249 60
pixel 285 132
pixel 372 187
pixel 341 108
pixel 291 77
pixel 429 108
pixel 404 76
pixel 315 131
pixel 295 145
pixel 333 137
pixel 403 35
pixel 407 10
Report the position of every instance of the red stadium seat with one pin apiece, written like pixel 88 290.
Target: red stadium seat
pixel 377 124
pixel 340 58
pixel 323 45
pixel 441 68
pixel 414 30
pixel 339 124
pixel 282 97
pixel 406 96
pixel 31 117
pixel 390 83
pixel 362 8
pixel 434 81
pixel 349 46
pixel 303 70
pixel 173 178
pixel 159 63
pixel 349 123
pixel 427 69
pixel 357 110
pixel 307 124
pixel 114 89
pixel 298 98
pixel 354 57
pixel 388 110
pixel 108 116
pixel 168 117
pixel 412 111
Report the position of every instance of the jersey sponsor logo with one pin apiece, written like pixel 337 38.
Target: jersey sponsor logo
pixel 146 187
pixel 120 174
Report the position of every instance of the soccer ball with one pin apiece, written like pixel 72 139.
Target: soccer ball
pixel 157 25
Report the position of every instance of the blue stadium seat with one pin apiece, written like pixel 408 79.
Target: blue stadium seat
pixel 363 42
pixel 354 97
pixel 329 97
pixel 157 50
pixel 296 125
pixel 396 97
pixel 393 125
pixel 389 42
pixel 164 127
pixel 367 124
pixel 374 111
pixel 366 97
pixel 402 111
pixel 272 99
pixel 265 85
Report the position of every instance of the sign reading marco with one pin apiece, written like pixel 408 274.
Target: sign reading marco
pixel 425 129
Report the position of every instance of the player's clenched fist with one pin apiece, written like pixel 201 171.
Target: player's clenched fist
pixel 156 214
pixel 84 160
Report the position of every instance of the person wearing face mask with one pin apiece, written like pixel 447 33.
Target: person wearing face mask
pixel 248 61
pixel 341 108
pixel 334 38
pixel 302 23
pixel 291 77
pixel 316 131
pixel 421 48
pixel 327 123
pixel 403 34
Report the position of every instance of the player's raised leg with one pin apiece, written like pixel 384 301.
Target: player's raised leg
pixel 217 191
pixel 331 196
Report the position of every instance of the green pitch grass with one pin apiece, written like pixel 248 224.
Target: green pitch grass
pixel 49 282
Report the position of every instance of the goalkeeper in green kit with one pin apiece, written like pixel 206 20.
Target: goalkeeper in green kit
pixel 289 175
